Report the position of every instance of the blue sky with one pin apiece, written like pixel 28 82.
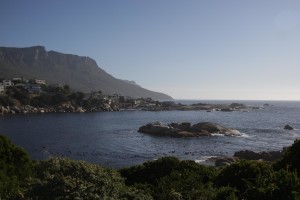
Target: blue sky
pixel 219 49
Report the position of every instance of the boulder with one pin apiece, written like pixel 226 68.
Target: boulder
pixel 185 126
pixel 154 128
pixel 238 106
pixel 288 127
pixel 226 109
pixel 220 161
pixel 210 128
pixel 223 161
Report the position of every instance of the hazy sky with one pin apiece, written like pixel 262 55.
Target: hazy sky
pixel 203 49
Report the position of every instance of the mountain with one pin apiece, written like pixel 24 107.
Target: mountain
pixel 80 73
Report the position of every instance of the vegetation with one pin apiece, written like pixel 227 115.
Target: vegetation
pixel 59 178
pixel 165 178
pixel 291 158
pixel 51 96
pixel 15 167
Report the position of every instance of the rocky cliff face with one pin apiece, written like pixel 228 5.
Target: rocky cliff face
pixel 81 73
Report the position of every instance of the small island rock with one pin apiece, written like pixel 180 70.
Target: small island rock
pixel 288 127
pixel 186 129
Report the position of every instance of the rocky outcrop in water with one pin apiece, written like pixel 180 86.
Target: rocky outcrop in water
pixel 288 127
pixel 251 155
pixel 185 129
pixel 220 161
pixel 66 108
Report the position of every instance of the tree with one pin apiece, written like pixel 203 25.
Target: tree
pixel 67 89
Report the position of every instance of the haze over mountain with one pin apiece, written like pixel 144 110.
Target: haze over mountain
pixel 80 73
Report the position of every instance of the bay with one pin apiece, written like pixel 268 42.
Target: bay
pixel 111 138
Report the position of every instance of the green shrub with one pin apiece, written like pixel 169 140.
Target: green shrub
pixel 169 178
pixel 60 178
pixel 150 171
pixel 291 158
pixel 15 167
pixel 185 184
pixel 6 101
pixel 241 173
pixel 226 193
pixel 258 180
pixel 279 185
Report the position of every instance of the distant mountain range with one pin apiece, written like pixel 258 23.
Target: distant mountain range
pixel 80 73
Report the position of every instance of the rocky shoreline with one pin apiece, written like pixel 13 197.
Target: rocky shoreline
pixel 266 156
pixel 57 109
pixel 111 107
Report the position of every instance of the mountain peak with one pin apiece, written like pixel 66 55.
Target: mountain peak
pixel 79 72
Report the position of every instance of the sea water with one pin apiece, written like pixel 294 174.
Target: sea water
pixel 111 138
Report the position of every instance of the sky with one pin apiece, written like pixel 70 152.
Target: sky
pixel 194 49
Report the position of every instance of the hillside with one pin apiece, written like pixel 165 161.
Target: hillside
pixel 80 73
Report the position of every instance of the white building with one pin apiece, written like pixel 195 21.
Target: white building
pixel 19 79
pixel 41 82
pixel 1 88
pixel 7 83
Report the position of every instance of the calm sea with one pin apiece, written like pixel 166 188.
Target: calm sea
pixel 111 138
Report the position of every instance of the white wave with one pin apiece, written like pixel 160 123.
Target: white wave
pixel 236 133
pixel 204 159
pixel 295 135
pixel 217 134
pixel 244 135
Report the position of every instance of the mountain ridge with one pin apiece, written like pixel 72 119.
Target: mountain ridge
pixel 80 72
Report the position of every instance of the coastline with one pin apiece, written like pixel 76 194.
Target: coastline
pixel 163 106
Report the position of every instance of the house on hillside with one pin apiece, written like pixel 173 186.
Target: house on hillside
pixel 40 82
pixel 19 80
pixel 1 88
pixel 97 95
pixel 7 83
pixel 33 88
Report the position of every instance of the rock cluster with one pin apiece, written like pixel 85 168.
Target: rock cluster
pixel 66 108
pixel 185 129
pixel 22 109
pixel 251 155
pixel 221 161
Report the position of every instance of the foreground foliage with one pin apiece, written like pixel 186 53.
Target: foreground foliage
pixel 164 179
pixel 258 180
pixel 59 178
pixel 15 166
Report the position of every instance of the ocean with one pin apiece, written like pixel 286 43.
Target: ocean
pixel 111 138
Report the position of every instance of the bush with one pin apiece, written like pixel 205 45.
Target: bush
pixel 291 158
pixel 42 100
pixel 150 171
pixel 183 185
pixel 239 174
pixel 258 180
pixel 21 95
pixel 15 167
pixel 6 101
pixel 169 178
pixel 60 178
